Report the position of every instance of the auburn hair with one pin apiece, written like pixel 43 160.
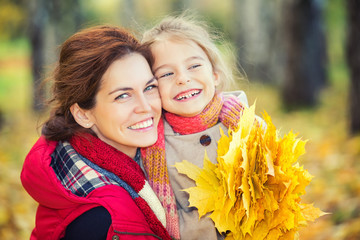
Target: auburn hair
pixel 83 60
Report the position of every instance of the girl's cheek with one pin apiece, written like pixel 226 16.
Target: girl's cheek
pixel 164 97
pixel 162 89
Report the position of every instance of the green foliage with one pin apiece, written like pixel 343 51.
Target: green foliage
pixel 15 78
pixel 335 17
pixel 15 48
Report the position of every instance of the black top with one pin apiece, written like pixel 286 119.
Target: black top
pixel 91 225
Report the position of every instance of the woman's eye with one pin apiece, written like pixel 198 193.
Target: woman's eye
pixel 122 96
pixel 150 87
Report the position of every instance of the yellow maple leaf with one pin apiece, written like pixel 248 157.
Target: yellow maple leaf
pixel 254 190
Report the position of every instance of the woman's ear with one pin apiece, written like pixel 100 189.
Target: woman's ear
pixel 81 116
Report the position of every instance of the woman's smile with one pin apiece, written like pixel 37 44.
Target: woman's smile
pixel 143 125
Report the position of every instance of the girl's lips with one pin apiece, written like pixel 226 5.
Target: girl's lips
pixel 187 94
pixel 142 125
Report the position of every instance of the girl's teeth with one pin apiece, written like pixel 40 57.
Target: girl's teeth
pixel 188 95
pixel 146 124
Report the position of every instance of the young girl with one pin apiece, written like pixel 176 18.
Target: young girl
pixel 191 75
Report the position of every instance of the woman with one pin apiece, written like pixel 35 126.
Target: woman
pixel 84 170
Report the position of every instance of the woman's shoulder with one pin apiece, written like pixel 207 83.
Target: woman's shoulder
pixel 36 175
pixel 42 146
pixel 39 155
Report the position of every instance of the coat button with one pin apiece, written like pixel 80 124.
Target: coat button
pixel 115 237
pixel 205 140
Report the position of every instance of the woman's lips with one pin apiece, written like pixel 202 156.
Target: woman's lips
pixel 143 124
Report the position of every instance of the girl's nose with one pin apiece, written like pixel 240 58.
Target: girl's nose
pixel 182 78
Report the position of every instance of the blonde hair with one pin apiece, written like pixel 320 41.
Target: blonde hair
pixel 187 27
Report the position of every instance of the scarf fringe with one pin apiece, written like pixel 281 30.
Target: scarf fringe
pixel 157 173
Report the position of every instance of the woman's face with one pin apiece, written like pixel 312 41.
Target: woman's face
pixel 186 78
pixel 128 106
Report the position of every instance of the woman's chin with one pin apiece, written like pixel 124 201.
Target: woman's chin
pixel 147 141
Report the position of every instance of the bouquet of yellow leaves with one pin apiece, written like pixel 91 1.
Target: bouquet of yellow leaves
pixel 254 190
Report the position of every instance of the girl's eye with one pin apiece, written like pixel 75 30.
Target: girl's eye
pixel 150 87
pixel 166 75
pixel 195 66
pixel 122 96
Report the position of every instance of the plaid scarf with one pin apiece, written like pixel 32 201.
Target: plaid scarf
pixel 129 172
pixel 75 173
pixel 227 110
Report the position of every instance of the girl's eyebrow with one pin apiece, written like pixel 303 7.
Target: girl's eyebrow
pixel 194 58
pixel 186 60
pixel 129 88
pixel 159 67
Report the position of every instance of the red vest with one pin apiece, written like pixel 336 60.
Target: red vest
pixel 58 207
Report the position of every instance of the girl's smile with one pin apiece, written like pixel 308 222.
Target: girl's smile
pixel 183 96
pixel 186 77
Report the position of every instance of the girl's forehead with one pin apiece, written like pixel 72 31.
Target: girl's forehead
pixel 174 37
pixel 177 41
pixel 182 47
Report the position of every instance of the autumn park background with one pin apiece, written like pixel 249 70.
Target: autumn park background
pixel 297 59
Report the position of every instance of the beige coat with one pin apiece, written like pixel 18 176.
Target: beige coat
pixel 188 147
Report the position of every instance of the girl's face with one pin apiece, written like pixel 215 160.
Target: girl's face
pixel 186 78
pixel 128 105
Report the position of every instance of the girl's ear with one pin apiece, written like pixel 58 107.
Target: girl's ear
pixel 81 116
pixel 216 78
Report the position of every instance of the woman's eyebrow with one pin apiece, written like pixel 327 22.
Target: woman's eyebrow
pixel 120 89
pixel 153 79
pixel 129 88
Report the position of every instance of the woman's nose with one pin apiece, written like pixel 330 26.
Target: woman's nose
pixel 143 104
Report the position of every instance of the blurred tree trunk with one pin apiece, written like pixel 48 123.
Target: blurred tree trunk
pixel 37 17
pixel 255 33
pixel 353 59
pixel 305 49
pixel 64 17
